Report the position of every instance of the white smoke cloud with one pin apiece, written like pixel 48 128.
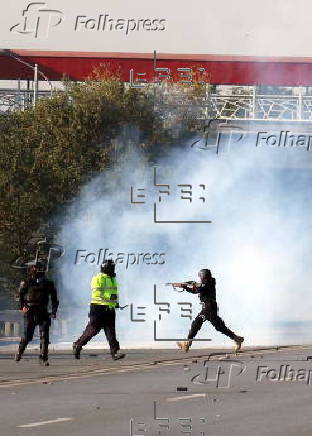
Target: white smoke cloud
pixel 257 246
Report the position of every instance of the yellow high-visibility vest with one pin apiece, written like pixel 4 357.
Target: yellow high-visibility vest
pixel 104 290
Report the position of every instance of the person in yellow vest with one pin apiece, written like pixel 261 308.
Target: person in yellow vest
pixel 104 301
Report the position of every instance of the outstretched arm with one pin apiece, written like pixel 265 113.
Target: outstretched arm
pixel 191 287
pixel 186 286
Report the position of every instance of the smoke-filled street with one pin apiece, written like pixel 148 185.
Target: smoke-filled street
pixel 155 218
pixel 259 392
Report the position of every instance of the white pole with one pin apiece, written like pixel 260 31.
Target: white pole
pixel 254 92
pixel 35 85
pixel 300 105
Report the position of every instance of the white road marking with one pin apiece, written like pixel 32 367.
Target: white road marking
pixel 38 424
pixel 185 397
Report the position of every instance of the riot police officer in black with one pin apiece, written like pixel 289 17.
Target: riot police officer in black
pixel 35 294
pixel 206 291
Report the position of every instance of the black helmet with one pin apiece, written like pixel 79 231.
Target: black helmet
pixel 36 269
pixel 205 274
pixel 108 267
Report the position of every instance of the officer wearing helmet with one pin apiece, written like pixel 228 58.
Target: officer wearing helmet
pixel 104 301
pixel 206 291
pixel 34 296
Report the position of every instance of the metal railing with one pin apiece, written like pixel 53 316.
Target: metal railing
pixel 19 100
pixel 261 107
pixel 235 107
pixel 241 107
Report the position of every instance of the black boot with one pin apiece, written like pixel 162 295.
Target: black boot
pixel 117 356
pixel 17 357
pixel 77 350
pixel 21 349
pixel 44 352
pixel 43 360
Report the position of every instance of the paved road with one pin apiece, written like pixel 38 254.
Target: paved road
pixel 159 393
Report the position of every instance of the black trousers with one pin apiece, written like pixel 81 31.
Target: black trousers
pixel 36 316
pixel 101 317
pixel 209 313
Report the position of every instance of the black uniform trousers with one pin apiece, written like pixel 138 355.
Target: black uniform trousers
pixel 101 317
pixel 209 313
pixel 36 316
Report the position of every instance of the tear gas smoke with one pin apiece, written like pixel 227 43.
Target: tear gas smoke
pixel 258 245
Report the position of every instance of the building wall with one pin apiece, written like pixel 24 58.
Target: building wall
pixel 279 28
pixel 239 43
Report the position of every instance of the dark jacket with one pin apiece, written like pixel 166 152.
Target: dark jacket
pixel 38 292
pixel 206 292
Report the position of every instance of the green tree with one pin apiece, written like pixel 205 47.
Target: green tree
pixel 48 152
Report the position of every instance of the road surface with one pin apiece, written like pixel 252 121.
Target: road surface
pixel 159 392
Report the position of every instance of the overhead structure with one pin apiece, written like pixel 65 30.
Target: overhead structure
pixel 238 43
pixel 221 70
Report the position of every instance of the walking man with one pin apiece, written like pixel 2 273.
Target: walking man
pixel 104 301
pixel 35 294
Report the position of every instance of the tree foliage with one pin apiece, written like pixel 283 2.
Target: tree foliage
pixel 48 152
